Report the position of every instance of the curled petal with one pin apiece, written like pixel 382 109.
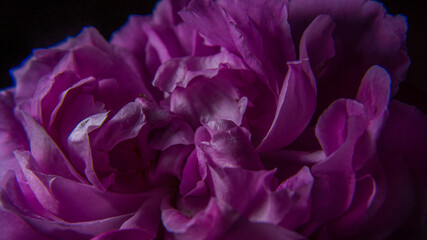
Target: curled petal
pixel 209 99
pixel 374 92
pixel 317 43
pixel 80 148
pixel 296 105
pixel 365 35
pixel 252 34
pixel 229 146
pixel 46 153
pixel 178 72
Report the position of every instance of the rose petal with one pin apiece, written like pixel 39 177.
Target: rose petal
pixel 226 25
pixel 146 219
pixel 193 177
pixel 14 228
pixel 229 146
pixel 374 92
pixel 178 72
pixel 332 128
pixel 299 187
pixel 46 153
pixel 208 99
pixel 177 132
pixel 251 230
pixel 170 164
pixel 128 234
pixel 296 105
pixel 338 130
pixel 401 148
pixel 12 135
pixel 365 35
pixel 125 125
pixel 349 223
pixel 317 43
pixel 79 146
pixel 209 223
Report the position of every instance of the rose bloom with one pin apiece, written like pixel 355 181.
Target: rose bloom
pixel 227 119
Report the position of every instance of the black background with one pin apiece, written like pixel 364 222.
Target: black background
pixel 25 25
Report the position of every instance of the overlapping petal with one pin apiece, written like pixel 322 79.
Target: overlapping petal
pixel 226 119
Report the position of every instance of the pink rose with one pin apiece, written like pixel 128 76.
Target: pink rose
pixel 227 119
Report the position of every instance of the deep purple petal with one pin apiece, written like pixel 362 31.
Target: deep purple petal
pixel 49 157
pixel 12 136
pixel 338 130
pixel 296 105
pixel 374 92
pixel 14 228
pixel 401 149
pixel 170 164
pixel 365 35
pixel 332 129
pixel 250 31
pixel 131 234
pixel 317 43
pixel 252 231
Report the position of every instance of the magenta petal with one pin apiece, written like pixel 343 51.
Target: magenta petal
pixel 229 146
pixel 296 105
pixel 128 234
pixel 178 72
pixel 349 223
pixel 209 223
pixel 332 127
pixel 177 132
pixel 38 187
pixel 375 38
pixel 253 231
pixel 262 36
pixel 12 136
pixel 166 11
pixel 211 21
pixel 14 228
pixel 333 188
pixel 131 36
pixel 73 105
pixel 77 202
pixel 17 197
pixel 288 162
pixel 228 185
pixel 32 71
pixel 170 164
pixel 46 153
pixel 192 179
pixel 401 148
pixel 262 40
pixel 374 91
pixel 317 43
pixel 80 149
pixel 146 218
pixel 75 231
pixel 299 187
pixel 125 125
pixel 205 100
pixel 338 130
